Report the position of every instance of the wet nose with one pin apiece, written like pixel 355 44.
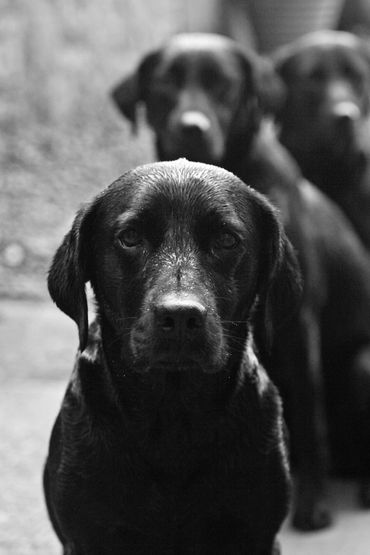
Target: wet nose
pixel 346 112
pixel 194 123
pixel 176 317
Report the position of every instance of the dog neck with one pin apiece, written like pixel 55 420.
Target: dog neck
pixel 165 414
pixel 263 162
pixel 239 145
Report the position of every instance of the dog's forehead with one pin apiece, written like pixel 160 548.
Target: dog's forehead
pixel 320 44
pixel 199 42
pixel 181 187
pixel 330 39
pixel 200 48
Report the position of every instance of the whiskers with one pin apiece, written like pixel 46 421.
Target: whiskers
pixel 123 319
pixel 235 322
pixel 238 343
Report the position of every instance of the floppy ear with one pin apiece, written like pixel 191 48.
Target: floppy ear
pixel 280 282
pixel 133 89
pixel 283 60
pixel 269 87
pixel 264 82
pixel 364 48
pixel 126 96
pixel 68 274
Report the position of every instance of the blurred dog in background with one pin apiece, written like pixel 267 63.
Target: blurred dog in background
pixel 325 118
pixel 206 99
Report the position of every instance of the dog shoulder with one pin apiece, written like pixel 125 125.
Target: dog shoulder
pixel 269 163
pixel 88 398
pixel 254 382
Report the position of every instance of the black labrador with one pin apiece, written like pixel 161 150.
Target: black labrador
pixel 170 437
pixel 325 119
pixel 208 100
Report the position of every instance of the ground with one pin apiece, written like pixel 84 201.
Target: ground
pixel 37 343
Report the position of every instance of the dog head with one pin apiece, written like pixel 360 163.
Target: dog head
pixel 178 255
pixel 327 80
pixel 201 93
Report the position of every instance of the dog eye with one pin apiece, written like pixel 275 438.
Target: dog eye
pixel 226 240
pixel 130 237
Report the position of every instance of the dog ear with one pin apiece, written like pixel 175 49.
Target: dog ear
pixel 364 48
pixel 264 82
pixel 68 274
pixel 133 89
pixel 268 85
pixel 126 96
pixel 283 60
pixel 280 282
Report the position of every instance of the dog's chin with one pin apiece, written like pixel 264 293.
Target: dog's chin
pixel 172 365
pixel 195 151
pixel 343 141
pixel 179 365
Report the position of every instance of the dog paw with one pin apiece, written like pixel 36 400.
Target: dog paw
pixel 313 517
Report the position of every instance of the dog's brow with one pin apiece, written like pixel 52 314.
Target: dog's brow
pixel 125 217
pixel 224 217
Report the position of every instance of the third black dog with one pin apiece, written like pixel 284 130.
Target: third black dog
pixel 325 118
pixel 206 99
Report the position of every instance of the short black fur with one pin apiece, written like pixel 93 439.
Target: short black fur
pixel 170 437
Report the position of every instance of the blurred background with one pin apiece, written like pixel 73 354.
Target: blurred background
pixel 61 141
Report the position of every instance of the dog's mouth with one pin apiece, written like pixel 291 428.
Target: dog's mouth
pixel 198 141
pixel 176 365
pixel 172 364
pixel 198 149
pixel 341 146
pixel 177 336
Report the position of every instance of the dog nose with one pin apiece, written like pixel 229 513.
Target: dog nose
pixel 346 112
pixel 179 317
pixel 194 122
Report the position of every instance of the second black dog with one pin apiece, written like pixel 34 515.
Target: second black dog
pixel 206 99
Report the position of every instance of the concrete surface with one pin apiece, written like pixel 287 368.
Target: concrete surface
pixel 37 345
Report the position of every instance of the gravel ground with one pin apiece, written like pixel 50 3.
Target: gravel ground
pixel 37 343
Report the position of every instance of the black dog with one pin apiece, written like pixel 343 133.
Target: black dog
pixel 195 93
pixel 206 99
pixel 325 120
pixel 170 436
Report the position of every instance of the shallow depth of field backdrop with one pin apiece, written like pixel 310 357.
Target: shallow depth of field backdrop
pixel 61 141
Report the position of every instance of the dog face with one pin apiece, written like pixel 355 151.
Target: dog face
pixel 327 79
pixel 177 254
pixel 199 91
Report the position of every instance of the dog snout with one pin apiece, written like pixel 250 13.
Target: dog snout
pixel 194 133
pixel 179 318
pixel 341 104
pixel 346 112
pixel 194 123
